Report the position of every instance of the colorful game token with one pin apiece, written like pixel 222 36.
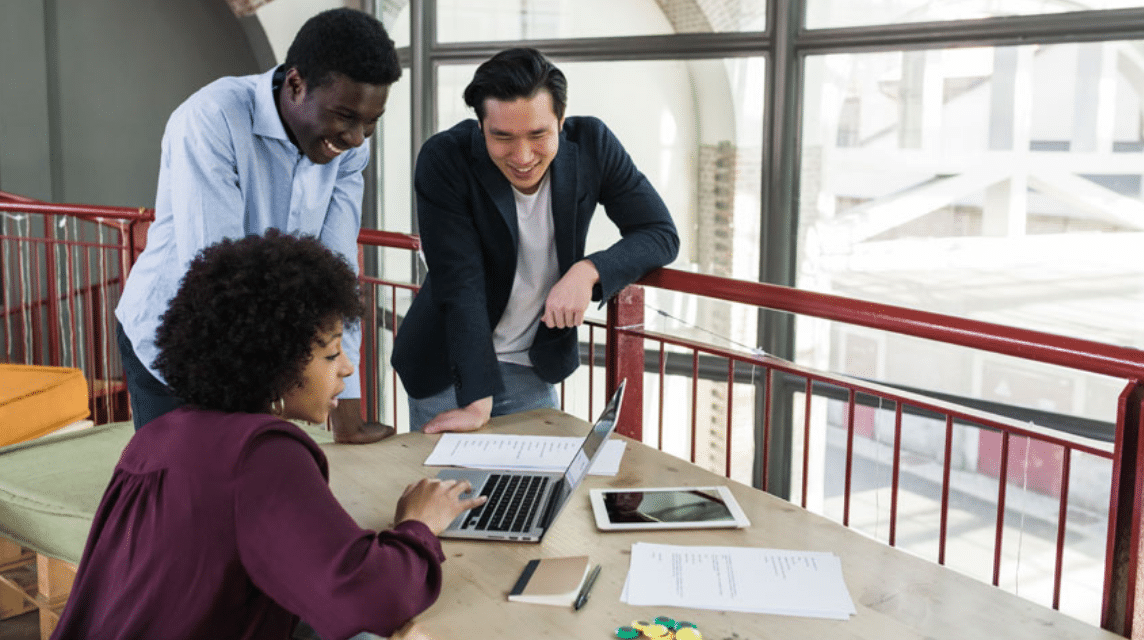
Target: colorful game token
pixel 667 622
pixel 627 633
pixel 654 631
pixel 683 624
pixel 688 633
pixel 640 625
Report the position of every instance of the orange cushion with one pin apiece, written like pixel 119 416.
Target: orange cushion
pixel 38 400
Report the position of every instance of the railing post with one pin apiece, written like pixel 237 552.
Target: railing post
pixel 625 357
pixel 1123 586
pixel 55 349
pixel 137 240
pixel 368 366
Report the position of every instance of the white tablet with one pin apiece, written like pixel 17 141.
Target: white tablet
pixel 666 508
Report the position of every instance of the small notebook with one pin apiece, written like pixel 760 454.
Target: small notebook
pixel 554 581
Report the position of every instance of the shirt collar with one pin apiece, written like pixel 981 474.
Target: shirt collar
pixel 267 123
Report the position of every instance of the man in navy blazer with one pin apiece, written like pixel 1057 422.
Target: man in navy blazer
pixel 503 204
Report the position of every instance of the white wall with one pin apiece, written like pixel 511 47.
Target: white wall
pixel 87 88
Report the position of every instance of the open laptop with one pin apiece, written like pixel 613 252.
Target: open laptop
pixel 523 504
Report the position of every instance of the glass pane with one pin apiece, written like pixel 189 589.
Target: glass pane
pixel 999 184
pixel 395 17
pixel 393 137
pixel 473 20
pixel 698 137
pixel 821 14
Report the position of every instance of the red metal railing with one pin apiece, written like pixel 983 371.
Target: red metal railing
pixel 383 298
pixel 63 268
pixel 654 361
pixel 1121 592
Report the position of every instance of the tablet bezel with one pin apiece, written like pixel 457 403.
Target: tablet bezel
pixel 600 512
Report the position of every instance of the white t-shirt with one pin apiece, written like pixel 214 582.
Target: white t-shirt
pixel 536 273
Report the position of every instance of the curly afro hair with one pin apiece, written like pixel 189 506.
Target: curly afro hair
pixel 345 41
pixel 240 329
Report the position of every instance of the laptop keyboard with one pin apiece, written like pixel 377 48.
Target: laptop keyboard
pixel 511 505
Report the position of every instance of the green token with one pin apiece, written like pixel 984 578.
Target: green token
pixel 688 633
pixel 683 624
pixel 667 622
pixel 627 633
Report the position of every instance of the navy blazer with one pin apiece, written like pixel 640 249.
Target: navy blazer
pixel 467 217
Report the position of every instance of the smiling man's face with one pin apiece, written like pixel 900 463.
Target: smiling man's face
pixel 522 137
pixel 326 121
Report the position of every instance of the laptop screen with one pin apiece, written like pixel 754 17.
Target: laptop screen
pixel 583 458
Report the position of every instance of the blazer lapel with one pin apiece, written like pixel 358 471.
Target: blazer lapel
pixel 563 176
pixel 494 183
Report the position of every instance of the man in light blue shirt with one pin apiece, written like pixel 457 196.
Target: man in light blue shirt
pixel 284 149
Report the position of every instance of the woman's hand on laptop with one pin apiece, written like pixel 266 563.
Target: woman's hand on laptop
pixel 436 502
pixel 469 418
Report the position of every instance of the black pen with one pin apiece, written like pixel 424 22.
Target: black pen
pixel 582 598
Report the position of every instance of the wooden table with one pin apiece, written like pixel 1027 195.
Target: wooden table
pixel 897 595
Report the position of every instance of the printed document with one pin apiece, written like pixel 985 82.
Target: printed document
pixel 793 583
pixel 527 453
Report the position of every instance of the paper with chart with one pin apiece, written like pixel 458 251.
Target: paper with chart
pixel 527 453
pixel 795 583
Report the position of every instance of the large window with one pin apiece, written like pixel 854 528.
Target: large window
pixel 1001 184
pixel 940 170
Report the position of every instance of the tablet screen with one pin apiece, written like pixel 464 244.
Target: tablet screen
pixel 665 505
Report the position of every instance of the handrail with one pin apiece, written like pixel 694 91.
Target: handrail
pixel 87 211
pixel 1074 353
pixel 21 204
pixel 4 195
pixel 389 239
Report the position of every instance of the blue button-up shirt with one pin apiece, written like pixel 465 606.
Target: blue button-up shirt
pixel 229 170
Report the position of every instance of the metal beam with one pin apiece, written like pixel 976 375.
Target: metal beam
pixel 1052 28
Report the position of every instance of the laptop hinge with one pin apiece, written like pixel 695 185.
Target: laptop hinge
pixel 550 508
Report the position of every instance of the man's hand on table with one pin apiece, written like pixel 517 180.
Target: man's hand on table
pixel 350 428
pixel 469 418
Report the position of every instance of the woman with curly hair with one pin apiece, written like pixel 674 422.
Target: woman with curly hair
pixel 218 521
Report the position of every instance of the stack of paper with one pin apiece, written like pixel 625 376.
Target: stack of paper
pixel 794 583
pixel 527 453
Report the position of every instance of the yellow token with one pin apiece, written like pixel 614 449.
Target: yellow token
pixel 655 631
pixel 688 633
pixel 640 624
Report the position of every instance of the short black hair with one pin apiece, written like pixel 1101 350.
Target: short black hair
pixel 345 41
pixel 240 329
pixel 516 73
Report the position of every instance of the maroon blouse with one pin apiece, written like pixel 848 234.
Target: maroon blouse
pixel 223 526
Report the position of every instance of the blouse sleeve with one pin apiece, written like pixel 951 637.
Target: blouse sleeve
pixel 301 548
